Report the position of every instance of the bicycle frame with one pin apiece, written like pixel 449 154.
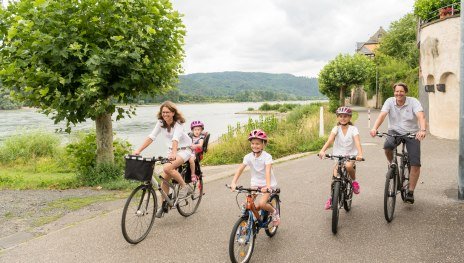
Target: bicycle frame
pixel 254 214
pixel 171 199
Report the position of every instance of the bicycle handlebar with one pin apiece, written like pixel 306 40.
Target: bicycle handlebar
pixel 160 159
pixel 347 157
pixel 241 189
pixel 408 135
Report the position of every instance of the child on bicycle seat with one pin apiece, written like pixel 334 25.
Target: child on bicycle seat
pixel 345 140
pixel 198 138
pixel 262 175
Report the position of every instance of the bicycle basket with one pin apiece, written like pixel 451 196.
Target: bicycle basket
pixel 138 168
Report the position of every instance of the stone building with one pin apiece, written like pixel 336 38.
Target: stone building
pixel 358 95
pixel 439 43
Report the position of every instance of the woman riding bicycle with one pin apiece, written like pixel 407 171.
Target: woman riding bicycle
pixel 345 140
pixel 262 175
pixel 170 125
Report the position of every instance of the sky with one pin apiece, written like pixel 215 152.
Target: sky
pixel 279 36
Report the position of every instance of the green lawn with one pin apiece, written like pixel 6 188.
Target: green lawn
pixel 21 178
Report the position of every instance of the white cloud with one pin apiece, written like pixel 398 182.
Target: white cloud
pixel 279 36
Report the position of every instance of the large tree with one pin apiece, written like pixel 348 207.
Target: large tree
pixel 342 73
pixel 80 59
pixel 398 56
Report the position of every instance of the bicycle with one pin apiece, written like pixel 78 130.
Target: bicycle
pixel 397 177
pixel 341 188
pixel 139 211
pixel 243 235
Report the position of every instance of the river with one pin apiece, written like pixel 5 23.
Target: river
pixel 216 116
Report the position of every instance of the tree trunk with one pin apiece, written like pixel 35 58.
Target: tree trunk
pixel 342 96
pixel 104 131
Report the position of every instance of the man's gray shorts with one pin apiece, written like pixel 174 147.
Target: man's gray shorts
pixel 412 146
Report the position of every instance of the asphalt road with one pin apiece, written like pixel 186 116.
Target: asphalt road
pixel 431 230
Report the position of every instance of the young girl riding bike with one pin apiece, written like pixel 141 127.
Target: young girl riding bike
pixel 262 175
pixel 345 140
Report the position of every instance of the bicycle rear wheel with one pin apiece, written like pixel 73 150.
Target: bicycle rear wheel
pixel 271 229
pixel 335 206
pixel 242 241
pixel 405 179
pixel 390 195
pixel 138 215
pixel 348 196
pixel 189 205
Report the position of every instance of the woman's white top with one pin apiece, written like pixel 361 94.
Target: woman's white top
pixel 258 169
pixel 344 143
pixel 177 133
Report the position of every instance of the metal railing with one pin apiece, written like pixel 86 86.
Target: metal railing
pixel 442 12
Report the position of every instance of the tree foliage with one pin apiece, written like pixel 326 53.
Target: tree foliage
pixel 77 59
pixel 398 57
pixel 343 72
pixel 80 59
pixel 428 9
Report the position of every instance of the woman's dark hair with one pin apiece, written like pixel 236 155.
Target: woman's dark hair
pixel 401 84
pixel 178 117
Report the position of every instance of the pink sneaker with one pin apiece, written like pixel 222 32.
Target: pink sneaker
pixel 276 217
pixel 356 187
pixel 328 204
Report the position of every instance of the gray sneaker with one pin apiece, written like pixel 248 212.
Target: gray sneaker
pixel 163 209
pixel 185 191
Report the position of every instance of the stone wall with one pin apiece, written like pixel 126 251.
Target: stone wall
pixel 439 62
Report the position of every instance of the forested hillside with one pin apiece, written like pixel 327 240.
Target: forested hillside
pixel 241 86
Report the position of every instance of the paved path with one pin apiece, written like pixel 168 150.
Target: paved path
pixel 431 230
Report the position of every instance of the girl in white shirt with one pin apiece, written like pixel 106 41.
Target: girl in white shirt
pixel 345 140
pixel 170 124
pixel 262 175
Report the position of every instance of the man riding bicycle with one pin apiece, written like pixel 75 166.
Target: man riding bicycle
pixel 405 115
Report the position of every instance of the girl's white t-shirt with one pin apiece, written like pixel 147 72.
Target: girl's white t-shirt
pixel 176 134
pixel 344 143
pixel 258 169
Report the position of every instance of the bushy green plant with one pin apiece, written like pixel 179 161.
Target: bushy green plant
pixel 29 145
pixel 84 147
pixel 298 132
pixel 99 174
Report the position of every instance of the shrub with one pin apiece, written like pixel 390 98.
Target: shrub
pixel 27 146
pixel 101 173
pixel 82 153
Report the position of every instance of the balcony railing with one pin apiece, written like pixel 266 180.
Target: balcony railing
pixel 443 12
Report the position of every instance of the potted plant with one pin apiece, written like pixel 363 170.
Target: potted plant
pixel 446 11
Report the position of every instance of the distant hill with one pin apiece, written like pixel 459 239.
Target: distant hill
pixel 220 84
pixel 239 86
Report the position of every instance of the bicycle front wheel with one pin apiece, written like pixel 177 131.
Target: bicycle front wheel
pixel 390 195
pixel 271 229
pixel 335 205
pixel 138 215
pixel 242 241
pixel 189 205
pixel 348 196
pixel 405 179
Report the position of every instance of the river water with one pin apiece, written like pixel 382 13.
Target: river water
pixel 216 116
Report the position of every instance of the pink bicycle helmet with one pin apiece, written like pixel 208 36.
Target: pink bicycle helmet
pixel 344 110
pixel 257 134
pixel 197 124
